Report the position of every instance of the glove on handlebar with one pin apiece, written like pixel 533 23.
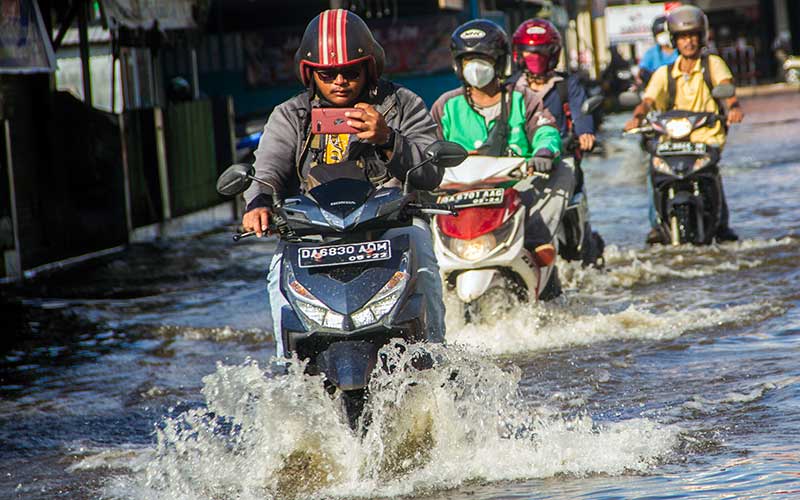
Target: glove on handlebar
pixel 542 162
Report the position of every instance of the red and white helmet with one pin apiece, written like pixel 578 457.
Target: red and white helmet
pixel 335 38
pixel 536 46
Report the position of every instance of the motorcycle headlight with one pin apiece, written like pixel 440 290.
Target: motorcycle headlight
pixel 661 165
pixel 701 162
pixel 313 311
pixel 384 301
pixel 678 128
pixel 474 249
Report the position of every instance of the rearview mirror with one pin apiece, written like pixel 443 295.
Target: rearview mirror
pixel 446 154
pixel 235 179
pixel 629 99
pixel 591 104
pixel 723 91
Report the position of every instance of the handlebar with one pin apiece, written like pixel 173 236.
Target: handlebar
pixel 239 236
pixel 638 130
pixel 423 208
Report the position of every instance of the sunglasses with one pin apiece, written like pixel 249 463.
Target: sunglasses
pixel 349 73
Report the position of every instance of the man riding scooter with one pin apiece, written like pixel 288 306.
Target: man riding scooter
pixel 340 63
pixel 536 46
pixel 686 85
pixel 491 118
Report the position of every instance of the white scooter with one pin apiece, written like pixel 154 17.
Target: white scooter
pixel 480 251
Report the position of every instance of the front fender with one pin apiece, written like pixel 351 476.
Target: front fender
pixel 348 364
pixel 472 284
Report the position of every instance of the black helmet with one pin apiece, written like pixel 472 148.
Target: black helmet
pixel 687 19
pixel 338 37
pixel 659 25
pixel 480 36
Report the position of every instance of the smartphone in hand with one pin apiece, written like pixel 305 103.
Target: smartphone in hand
pixel 331 121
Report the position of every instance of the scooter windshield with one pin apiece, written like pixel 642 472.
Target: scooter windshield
pixel 341 196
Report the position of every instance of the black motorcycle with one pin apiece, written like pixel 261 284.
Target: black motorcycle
pixel 685 175
pixel 350 289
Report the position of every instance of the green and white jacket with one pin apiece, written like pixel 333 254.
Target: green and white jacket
pixel 532 128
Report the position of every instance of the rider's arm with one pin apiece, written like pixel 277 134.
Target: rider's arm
pixel 584 124
pixel 654 95
pixel 416 131
pixel 648 62
pixel 439 116
pixel 275 155
pixel 720 73
pixel 540 125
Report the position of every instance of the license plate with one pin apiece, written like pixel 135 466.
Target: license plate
pixel 681 148
pixel 338 255
pixel 476 198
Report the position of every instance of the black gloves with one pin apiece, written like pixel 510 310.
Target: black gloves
pixel 542 162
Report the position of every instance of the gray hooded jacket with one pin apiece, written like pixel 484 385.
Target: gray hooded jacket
pixel 283 159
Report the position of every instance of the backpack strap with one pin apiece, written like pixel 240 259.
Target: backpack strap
pixel 671 85
pixel 563 95
pixel 707 78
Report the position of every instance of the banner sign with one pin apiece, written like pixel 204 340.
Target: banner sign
pixel 170 14
pixel 413 47
pixel 632 23
pixel 24 44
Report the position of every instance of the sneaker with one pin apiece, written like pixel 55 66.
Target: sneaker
pixel 544 255
pixel 726 234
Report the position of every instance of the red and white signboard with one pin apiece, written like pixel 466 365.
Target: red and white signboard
pixel 632 23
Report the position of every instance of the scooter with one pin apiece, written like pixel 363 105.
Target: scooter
pixel 480 252
pixel 685 175
pixel 350 290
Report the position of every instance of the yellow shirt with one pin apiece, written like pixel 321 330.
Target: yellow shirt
pixel 692 94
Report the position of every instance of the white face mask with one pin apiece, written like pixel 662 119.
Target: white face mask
pixel 478 73
pixel 663 39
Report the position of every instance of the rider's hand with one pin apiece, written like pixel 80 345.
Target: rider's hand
pixel 542 162
pixel 256 220
pixel 735 115
pixel 370 122
pixel 586 141
pixel 633 123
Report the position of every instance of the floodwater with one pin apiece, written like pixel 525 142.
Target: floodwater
pixel 673 373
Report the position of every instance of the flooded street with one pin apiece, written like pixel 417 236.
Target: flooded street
pixel 672 373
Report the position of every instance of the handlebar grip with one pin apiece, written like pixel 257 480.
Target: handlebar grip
pixel 239 236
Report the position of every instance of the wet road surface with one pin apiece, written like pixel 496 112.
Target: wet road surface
pixel 673 373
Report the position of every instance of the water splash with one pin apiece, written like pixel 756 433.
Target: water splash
pixel 264 436
pixel 543 326
pixel 627 268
